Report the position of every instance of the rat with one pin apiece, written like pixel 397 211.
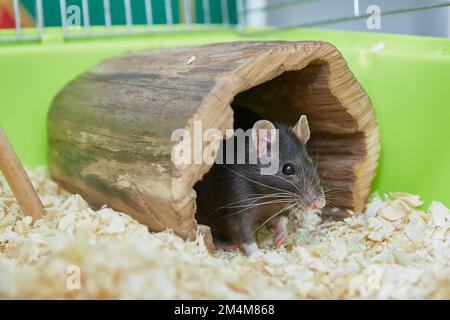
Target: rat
pixel 236 200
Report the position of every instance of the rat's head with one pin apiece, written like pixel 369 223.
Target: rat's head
pixel 294 178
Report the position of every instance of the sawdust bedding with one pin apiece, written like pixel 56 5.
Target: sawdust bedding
pixel 393 250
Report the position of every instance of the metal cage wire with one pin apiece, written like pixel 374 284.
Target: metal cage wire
pixel 243 11
pixel 351 16
pixel 130 26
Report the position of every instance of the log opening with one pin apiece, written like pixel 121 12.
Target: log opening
pixel 335 144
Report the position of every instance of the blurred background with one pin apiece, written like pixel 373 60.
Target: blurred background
pixel 414 17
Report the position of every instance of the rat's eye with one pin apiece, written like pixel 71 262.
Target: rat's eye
pixel 288 169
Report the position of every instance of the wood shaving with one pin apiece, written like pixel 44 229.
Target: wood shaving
pixel 191 60
pixel 394 210
pixel 391 251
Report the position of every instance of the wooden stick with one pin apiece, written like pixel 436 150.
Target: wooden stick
pixel 18 180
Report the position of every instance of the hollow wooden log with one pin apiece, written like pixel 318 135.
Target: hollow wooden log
pixel 110 128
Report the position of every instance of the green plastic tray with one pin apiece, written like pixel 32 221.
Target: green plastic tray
pixel 407 78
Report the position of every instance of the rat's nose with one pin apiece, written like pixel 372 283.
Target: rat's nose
pixel 317 204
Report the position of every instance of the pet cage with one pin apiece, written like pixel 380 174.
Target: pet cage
pixel 90 31
pixel 406 78
pixel 84 18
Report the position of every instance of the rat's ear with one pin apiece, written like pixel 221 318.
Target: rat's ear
pixel 301 129
pixel 263 135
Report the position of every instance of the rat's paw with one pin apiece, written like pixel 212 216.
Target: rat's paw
pixel 279 239
pixel 250 248
pixel 280 225
pixel 227 246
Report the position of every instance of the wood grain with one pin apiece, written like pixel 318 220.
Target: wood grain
pixel 110 128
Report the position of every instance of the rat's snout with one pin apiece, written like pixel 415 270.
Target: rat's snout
pixel 317 204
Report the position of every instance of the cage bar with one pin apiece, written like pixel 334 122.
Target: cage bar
pixel 62 5
pixel 86 16
pixel 169 13
pixel 243 12
pixel 107 13
pixel 149 14
pixel 187 13
pixel 321 23
pixel 40 18
pixel 17 19
pixel 128 14
pixel 225 16
pixel 206 12
pixel 240 14
pixel 356 8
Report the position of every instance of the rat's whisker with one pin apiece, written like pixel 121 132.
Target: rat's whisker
pixel 304 176
pixel 334 194
pixel 265 194
pixel 250 206
pixel 331 204
pixel 290 182
pixel 317 183
pixel 254 206
pixel 325 174
pixel 276 196
pixel 273 216
pixel 336 190
pixel 297 209
pixel 257 182
pixel 292 213
pixel 311 178
pixel 336 197
pixel 343 189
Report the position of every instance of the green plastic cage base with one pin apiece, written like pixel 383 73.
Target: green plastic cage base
pixel 406 77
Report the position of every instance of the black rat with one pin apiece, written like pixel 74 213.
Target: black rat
pixel 236 200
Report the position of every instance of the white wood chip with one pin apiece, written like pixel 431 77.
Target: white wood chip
pixel 395 210
pixel 391 251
